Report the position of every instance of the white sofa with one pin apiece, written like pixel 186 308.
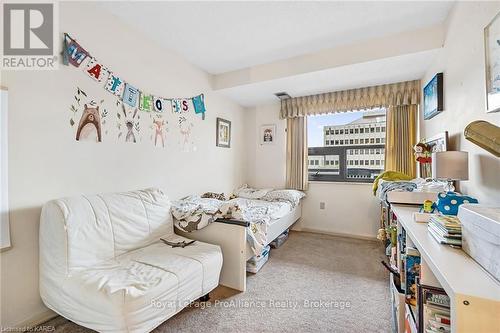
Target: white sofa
pixel 103 266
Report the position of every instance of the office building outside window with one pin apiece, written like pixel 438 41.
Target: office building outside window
pixel 347 146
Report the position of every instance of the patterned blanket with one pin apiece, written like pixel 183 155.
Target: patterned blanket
pixel 194 213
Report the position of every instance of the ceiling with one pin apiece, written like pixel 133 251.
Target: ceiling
pixel 388 70
pixel 225 36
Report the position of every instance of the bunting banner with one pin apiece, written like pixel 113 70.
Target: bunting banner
pixel 130 95
pixel 96 70
pixel 158 104
pixel 115 85
pixel 145 102
pixel 75 54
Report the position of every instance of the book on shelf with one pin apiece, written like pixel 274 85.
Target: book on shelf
pixel 446 229
pixel 412 273
pixel 434 310
pixel 443 239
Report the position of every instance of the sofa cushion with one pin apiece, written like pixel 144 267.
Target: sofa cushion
pixel 101 227
pixel 196 266
pixel 137 291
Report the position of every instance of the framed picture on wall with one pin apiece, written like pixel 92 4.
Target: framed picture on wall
pixel 223 133
pixel 433 97
pixel 492 62
pixel 267 134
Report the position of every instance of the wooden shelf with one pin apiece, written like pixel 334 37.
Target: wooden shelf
pixel 473 292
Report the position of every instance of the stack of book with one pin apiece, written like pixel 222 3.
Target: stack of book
pixel 446 229
pixel 436 312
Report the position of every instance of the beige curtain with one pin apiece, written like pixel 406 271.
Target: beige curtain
pixel 296 153
pixel 401 93
pixel 401 137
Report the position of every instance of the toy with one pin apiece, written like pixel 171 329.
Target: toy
pixel 428 207
pixel 449 202
pixel 422 153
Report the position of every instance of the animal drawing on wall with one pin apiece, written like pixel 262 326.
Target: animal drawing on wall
pixel 128 123
pixel 159 129
pixel 92 117
pixel 185 129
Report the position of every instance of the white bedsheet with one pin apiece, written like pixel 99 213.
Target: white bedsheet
pixel 194 213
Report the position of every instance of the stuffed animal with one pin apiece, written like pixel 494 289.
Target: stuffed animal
pixel 422 153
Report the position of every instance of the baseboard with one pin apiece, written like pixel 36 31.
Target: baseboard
pixel 338 234
pixel 36 320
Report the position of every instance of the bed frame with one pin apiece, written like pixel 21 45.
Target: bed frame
pixel 231 236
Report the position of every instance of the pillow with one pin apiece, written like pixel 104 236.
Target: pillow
pixel 246 192
pixel 291 196
pixel 449 202
pixel 213 195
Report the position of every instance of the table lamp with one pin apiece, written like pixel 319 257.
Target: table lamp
pixel 450 166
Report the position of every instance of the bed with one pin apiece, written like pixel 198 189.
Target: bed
pixel 234 230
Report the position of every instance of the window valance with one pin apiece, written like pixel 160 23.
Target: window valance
pixel 394 94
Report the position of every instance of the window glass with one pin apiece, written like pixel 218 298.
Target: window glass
pixel 356 155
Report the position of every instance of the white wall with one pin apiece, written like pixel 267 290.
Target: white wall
pixel 45 161
pixel 462 61
pixel 350 209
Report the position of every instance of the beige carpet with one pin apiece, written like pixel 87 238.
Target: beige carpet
pixel 308 269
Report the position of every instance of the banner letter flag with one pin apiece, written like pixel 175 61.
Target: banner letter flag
pixel 176 105
pixel 96 70
pixel 185 104
pixel 73 53
pixel 158 104
pixel 145 102
pixel 130 95
pixel 115 85
pixel 199 104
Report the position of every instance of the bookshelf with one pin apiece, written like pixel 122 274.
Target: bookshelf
pixel 473 292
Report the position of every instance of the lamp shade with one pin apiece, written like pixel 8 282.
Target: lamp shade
pixel 450 165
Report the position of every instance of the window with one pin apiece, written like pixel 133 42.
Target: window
pixel 350 156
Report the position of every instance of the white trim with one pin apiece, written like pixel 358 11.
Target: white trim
pixel 36 320
pixel 337 234
pixel 4 185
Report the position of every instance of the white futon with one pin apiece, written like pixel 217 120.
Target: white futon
pixel 103 266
